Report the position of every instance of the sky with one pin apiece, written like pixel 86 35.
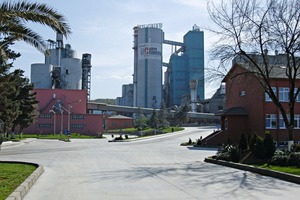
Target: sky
pixel 104 28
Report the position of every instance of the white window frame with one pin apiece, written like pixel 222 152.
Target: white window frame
pixel 273 121
pixel 267 97
pixel 284 94
pixel 296 122
pixel 281 123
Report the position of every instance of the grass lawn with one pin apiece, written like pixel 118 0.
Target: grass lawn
pixel 12 175
pixel 289 170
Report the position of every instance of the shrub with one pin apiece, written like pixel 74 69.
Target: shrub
pixel 252 141
pixel 269 145
pixel 294 159
pixel 296 148
pixel 228 153
pixel 199 141
pixel 259 149
pixel 280 158
pixel 243 142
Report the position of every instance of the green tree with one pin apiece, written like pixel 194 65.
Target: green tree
pixel 163 116
pixel 141 120
pixel 10 106
pixel 259 149
pixel 260 27
pixel 252 141
pixel 15 15
pixel 269 145
pixel 181 115
pixel 153 122
pixel 28 106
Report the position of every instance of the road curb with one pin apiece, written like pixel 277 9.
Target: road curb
pixel 265 172
pixel 21 191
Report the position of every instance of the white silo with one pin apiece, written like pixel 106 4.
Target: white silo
pixel 71 73
pixel 40 75
pixel 148 41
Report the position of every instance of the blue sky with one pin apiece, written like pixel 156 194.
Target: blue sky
pixel 104 28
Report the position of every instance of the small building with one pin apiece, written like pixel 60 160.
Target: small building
pixel 119 122
pixel 250 110
pixel 62 110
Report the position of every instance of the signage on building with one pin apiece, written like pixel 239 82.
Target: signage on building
pixel 157 25
pixel 150 51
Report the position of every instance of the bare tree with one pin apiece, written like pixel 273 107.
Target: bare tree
pixel 250 27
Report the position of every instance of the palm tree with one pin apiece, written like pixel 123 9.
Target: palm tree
pixel 15 15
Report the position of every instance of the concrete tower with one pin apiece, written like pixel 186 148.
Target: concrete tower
pixel 147 78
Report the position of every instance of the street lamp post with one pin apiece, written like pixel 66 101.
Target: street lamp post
pixel 62 123
pixel 69 113
pixel 54 121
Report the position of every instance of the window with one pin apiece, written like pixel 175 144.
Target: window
pixel 45 125
pixel 271 121
pixel 284 94
pixel 281 123
pixel 297 122
pixel 242 93
pixel 298 96
pixel 77 116
pixel 48 116
pixel 268 97
pixel 77 126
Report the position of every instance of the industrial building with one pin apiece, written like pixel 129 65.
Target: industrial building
pixel 185 71
pixel 62 70
pixel 63 111
pixel 62 85
pixel 184 77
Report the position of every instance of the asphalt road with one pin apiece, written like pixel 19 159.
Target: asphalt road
pixel 148 169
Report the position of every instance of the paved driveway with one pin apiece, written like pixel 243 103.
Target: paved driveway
pixel 154 168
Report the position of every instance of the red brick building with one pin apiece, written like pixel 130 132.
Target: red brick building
pixel 119 122
pixel 250 110
pixel 61 110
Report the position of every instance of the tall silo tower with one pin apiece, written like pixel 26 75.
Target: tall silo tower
pixel 147 78
pixel 86 73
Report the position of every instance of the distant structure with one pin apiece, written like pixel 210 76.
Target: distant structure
pixel 61 69
pixel 184 77
pixel 127 96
